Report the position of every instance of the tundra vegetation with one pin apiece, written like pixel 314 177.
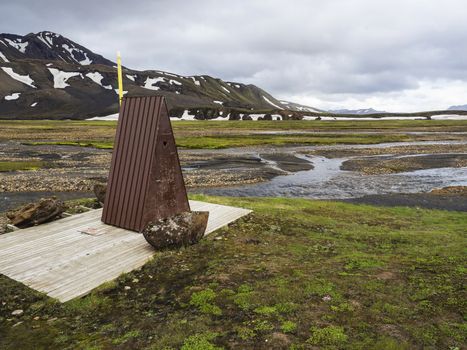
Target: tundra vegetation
pixel 294 274
pixel 222 134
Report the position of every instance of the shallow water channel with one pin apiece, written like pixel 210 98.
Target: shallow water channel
pixel 327 181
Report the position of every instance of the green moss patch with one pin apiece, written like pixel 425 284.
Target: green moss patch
pixel 6 166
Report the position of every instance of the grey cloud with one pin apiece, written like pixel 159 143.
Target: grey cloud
pixel 294 47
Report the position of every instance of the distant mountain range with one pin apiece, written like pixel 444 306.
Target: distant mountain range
pixel 355 111
pixel 458 108
pixel 45 75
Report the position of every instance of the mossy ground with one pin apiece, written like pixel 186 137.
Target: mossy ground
pixel 295 274
pixel 222 134
pixel 6 166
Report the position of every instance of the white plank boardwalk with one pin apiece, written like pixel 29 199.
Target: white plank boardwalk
pixel 60 260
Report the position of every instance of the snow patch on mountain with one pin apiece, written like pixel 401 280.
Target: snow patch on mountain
pixel 3 57
pixel 18 44
pixel 196 81
pixel 186 116
pixel 61 78
pixel 131 77
pixel 449 117
pixel 218 102
pixel 71 50
pixel 87 61
pixel 34 104
pixel 223 87
pixel 13 96
pixel 44 41
pixel 271 103
pixel 307 109
pixel 97 78
pixel 174 82
pixel 124 92
pixel 149 83
pixel 25 79
pixel 106 117
pixel 256 116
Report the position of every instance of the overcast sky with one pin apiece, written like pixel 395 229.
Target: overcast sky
pixel 394 55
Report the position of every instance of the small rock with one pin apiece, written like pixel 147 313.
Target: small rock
pixel 127 288
pixel 36 318
pixel 100 190
pixel 17 312
pixel 135 280
pixel 327 298
pixel 37 213
pixel 252 241
pixel 280 338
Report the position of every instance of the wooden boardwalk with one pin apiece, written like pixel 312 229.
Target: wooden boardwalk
pixel 62 261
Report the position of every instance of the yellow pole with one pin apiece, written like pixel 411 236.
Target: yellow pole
pixel 120 79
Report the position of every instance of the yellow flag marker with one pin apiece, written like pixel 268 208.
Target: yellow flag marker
pixel 120 79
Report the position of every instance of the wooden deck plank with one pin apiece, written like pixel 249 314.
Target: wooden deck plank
pixel 59 259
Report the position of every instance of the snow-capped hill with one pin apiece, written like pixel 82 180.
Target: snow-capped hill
pixel 47 46
pixel 355 111
pixel 458 108
pixel 45 75
pixel 298 107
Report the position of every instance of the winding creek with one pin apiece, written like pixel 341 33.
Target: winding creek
pixel 326 179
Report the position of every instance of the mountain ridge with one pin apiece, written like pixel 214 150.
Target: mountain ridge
pixel 362 111
pixel 45 75
pixel 458 108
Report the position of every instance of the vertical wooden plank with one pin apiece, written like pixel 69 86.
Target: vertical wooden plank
pixel 118 171
pixel 146 149
pixel 115 159
pixel 126 174
pixel 130 163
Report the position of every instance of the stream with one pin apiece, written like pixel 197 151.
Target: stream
pixel 327 181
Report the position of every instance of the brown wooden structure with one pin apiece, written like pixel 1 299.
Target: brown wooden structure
pixel 145 179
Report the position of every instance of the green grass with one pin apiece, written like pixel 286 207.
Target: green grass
pixel 218 134
pixel 295 274
pixel 228 140
pixel 317 125
pixel 6 166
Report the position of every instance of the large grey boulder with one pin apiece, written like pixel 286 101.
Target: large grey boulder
pixel 177 231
